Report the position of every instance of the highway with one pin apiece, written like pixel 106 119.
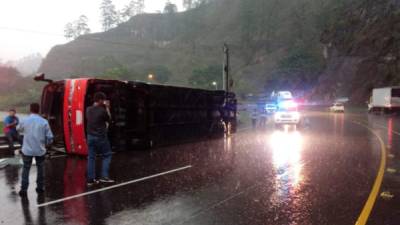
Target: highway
pixel 340 169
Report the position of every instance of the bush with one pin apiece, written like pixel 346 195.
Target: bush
pixel 206 76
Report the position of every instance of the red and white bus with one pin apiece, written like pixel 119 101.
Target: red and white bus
pixel 144 115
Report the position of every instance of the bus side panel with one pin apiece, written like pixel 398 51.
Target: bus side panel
pixel 66 116
pixel 74 126
pixel 78 117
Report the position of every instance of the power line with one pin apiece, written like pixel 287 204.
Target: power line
pixel 30 31
pixel 95 39
pixel 210 48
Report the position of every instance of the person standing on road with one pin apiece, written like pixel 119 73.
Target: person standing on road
pixel 263 118
pixel 97 117
pixel 10 128
pixel 254 118
pixel 37 134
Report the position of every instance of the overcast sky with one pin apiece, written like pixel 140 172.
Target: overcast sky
pixel 31 26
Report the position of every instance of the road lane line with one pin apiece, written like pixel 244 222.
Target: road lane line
pixel 114 186
pixel 383 126
pixel 219 203
pixel 380 125
pixel 369 204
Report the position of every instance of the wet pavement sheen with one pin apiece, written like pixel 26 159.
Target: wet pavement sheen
pixel 321 174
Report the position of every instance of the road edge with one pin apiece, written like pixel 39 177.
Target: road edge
pixel 369 204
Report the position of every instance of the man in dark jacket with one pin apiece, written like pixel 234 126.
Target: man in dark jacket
pixel 98 117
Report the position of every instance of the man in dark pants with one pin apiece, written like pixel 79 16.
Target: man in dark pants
pixel 10 128
pixel 37 134
pixel 97 117
pixel 254 118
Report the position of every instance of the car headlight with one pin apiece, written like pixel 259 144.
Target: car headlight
pixel 296 115
pixel 277 116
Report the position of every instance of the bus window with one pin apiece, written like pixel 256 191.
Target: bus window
pixel 396 92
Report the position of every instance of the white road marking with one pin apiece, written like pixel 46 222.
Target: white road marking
pixel 57 156
pixel 382 126
pixel 114 186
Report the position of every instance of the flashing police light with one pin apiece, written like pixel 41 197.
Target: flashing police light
pixel 287 104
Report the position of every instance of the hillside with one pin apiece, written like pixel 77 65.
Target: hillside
pixel 150 40
pixel 363 50
pixel 270 40
pixel 326 49
pixel 29 64
pixel 17 91
pixel 9 77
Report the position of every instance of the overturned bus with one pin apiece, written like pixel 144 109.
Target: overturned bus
pixel 143 115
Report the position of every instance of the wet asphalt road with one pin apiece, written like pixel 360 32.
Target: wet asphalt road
pixel 321 174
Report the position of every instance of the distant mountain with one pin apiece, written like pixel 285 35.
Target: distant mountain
pixel 9 77
pixel 17 91
pixel 29 65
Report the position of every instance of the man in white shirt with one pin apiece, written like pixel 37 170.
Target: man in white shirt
pixel 37 134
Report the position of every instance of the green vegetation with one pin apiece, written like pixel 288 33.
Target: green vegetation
pixel 117 73
pixel 158 74
pixel 209 77
pixel 154 74
pixel 1 127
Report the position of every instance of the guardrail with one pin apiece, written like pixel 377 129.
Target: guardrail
pixel 4 143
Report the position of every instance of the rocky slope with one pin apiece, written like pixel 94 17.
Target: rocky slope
pixel 362 51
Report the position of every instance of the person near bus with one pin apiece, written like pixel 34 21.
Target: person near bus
pixel 263 118
pixel 98 118
pixel 10 128
pixel 37 135
pixel 254 118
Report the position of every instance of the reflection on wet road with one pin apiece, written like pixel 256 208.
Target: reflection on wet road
pixel 319 175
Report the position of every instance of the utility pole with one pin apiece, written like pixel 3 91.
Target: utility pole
pixel 225 75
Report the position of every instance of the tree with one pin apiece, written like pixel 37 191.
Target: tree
pixel 207 77
pixel 77 28
pixel 134 7
pixel 188 4
pixel 191 4
pixel 109 16
pixel 170 8
pixel 117 73
pixel 69 31
pixel 82 26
